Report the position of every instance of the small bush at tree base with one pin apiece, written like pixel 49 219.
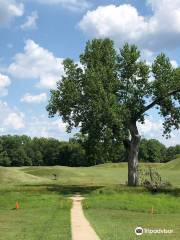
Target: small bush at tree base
pixel 151 179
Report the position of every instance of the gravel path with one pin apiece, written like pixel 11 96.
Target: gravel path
pixel 80 227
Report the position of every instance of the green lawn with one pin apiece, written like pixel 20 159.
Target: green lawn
pixel 42 215
pixel 120 224
pixel 113 209
pixel 101 175
pixel 115 216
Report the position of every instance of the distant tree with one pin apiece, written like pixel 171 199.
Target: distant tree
pixel 109 93
pixel 77 156
pixel 51 152
pixel 177 149
pixel 71 154
pixel 18 157
pixel 4 159
pixel 38 158
pixel 152 151
pixel 106 151
pixel 172 152
pixel 143 151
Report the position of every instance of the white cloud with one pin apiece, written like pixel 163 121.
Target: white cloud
pixel 73 5
pixel 153 128
pixel 174 63
pixel 4 83
pixel 150 127
pixel 41 126
pixel 15 121
pixel 11 119
pixel 37 63
pixel 148 55
pixel 40 98
pixel 30 22
pixel 10 9
pixel 61 126
pixel 124 23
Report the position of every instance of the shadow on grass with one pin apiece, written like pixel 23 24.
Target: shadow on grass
pixel 67 190
pixel 73 189
pixel 171 191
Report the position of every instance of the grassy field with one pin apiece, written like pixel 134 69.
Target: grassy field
pixel 115 216
pixel 41 216
pixel 101 175
pixel 113 209
pixel 112 224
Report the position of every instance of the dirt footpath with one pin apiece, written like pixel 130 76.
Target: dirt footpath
pixel 80 227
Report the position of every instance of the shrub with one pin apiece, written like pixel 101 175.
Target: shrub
pixel 151 179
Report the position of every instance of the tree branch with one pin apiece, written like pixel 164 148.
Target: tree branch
pixel 157 101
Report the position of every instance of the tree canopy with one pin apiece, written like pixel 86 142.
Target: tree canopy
pixel 16 151
pixel 109 92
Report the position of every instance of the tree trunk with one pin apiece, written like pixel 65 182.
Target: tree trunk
pixel 133 151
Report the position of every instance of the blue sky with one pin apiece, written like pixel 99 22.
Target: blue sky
pixel 36 35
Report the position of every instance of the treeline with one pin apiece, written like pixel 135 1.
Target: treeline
pixel 26 151
pixel 154 151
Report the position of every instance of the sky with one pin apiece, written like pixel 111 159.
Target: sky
pixel 37 35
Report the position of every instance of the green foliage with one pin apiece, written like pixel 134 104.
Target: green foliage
pixel 172 152
pixel 106 151
pixel 152 151
pixel 166 91
pixel 72 154
pixel 24 151
pixel 4 159
pixel 86 97
pixel 109 92
pixel 151 179
pixel 134 86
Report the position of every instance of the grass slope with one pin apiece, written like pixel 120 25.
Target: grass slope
pixel 15 176
pixel 105 174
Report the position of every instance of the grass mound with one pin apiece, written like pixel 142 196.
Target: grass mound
pixel 173 165
pixel 15 176
pixel 101 175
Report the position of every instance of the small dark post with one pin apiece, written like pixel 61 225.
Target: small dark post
pixel 55 176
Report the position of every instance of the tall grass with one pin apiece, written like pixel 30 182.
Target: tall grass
pixel 138 202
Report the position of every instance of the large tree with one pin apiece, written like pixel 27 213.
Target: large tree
pixel 108 93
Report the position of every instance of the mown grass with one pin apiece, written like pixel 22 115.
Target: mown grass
pixel 113 209
pixel 105 174
pixel 115 216
pixel 120 224
pixel 42 215
pixel 99 175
